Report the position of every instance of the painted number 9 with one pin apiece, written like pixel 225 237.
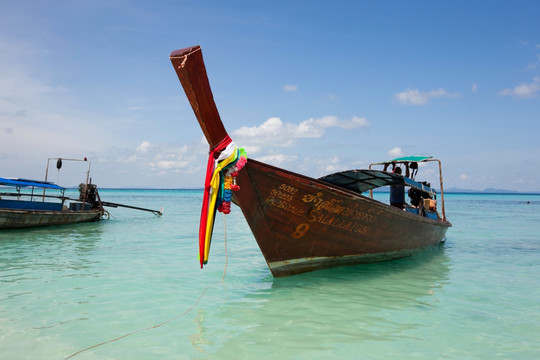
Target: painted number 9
pixel 300 231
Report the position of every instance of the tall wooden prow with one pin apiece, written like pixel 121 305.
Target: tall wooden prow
pixel 189 66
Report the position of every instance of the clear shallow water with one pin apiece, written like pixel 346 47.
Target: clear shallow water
pixel 64 289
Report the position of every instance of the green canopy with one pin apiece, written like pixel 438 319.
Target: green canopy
pixel 411 159
pixel 405 160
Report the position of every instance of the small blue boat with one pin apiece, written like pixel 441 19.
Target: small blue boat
pixel 25 203
pixel 28 203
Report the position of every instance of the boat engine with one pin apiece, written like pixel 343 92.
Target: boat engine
pixel 417 196
pixel 88 193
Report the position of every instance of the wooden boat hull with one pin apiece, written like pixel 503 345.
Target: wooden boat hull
pixel 17 219
pixel 302 224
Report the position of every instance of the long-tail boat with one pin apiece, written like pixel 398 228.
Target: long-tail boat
pixel 304 224
pixel 26 203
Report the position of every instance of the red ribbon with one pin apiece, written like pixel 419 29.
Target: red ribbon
pixel 213 155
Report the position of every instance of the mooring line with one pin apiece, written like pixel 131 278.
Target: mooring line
pixel 167 321
pixel 225 240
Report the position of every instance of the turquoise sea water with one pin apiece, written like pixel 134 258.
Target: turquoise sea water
pixel 65 289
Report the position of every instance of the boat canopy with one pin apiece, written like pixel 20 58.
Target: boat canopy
pixel 26 182
pixel 364 180
pixel 406 159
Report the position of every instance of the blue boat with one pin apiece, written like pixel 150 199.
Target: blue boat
pixel 28 203
pixel 25 203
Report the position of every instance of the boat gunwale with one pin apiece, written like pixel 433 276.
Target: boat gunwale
pixel 37 211
pixel 354 195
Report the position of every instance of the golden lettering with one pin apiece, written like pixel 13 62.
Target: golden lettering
pixel 281 195
pixel 288 188
pixel 272 201
pixel 333 207
pixel 329 220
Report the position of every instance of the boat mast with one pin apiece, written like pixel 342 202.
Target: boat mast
pixel 63 159
pixel 442 190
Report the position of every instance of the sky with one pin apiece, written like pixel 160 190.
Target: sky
pixel 310 86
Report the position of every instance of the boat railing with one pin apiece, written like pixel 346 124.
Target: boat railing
pixel 25 195
pixel 59 162
pixel 413 183
pixel 30 201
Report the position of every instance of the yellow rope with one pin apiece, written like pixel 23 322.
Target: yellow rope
pixel 165 322
pixel 225 240
pixel 140 330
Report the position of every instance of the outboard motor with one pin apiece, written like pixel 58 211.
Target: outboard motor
pixel 88 193
pixel 417 196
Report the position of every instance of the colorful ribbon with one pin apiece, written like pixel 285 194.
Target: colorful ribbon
pixel 224 162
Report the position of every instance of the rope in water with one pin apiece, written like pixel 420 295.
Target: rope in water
pixel 171 319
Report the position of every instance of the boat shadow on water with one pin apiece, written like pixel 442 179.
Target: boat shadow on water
pixel 36 243
pixel 347 305
pixel 429 264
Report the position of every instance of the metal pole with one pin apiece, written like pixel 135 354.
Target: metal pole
pixel 442 190
pixel 46 175
pixel 64 159
pixel 86 185
pixel 370 190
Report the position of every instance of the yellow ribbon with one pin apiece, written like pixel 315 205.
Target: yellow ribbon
pixel 214 184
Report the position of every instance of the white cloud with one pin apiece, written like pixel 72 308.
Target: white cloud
pixel 279 134
pixel 171 164
pixel 278 159
pixel 395 152
pixel 333 121
pixel 331 165
pixel 534 65
pixel 463 177
pixel 523 90
pixel 143 147
pixel 158 159
pixel 417 97
pixel 272 126
pixel 290 87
